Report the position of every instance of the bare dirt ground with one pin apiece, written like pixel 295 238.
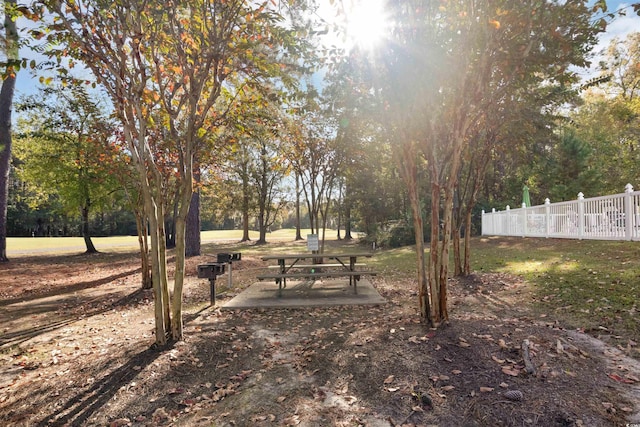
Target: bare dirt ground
pixel 76 350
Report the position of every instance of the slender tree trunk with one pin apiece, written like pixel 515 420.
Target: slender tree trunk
pixel 434 263
pixel 193 242
pixel 339 205
pixel 444 251
pixel 424 300
pixel 347 222
pixel 457 229
pixel 245 211
pixel 86 234
pixel 407 163
pixel 170 224
pixel 151 190
pixel 298 232
pixel 158 273
pixel 466 267
pixel 143 242
pixel 6 105
pixel 186 193
pixel 262 228
pixel 457 254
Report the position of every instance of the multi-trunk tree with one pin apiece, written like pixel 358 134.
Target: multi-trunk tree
pixel 165 66
pixel 442 67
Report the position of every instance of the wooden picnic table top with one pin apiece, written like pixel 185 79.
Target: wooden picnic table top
pixel 328 255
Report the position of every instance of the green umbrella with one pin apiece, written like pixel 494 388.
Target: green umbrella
pixel 525 196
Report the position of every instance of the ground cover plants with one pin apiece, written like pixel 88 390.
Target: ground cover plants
pixel 77 334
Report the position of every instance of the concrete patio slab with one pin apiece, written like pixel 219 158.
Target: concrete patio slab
pixel 319 293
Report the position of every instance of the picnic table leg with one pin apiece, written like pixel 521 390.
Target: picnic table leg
pixel 283 270
pixel 352 267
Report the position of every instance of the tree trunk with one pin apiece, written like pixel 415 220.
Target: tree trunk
pixel 158 272
pixel 457 254
pixel 444 251
pixel 339 204
pixel 152 190
pixel 434 251
pixel 262 227
pixel 6 104
pixel 245 209
pixel 143 242
pixel 347 222
pixel 298 232
pixel 170 225
pixel 186 193
pixel 407 163
pixel 457 229
pixel 192 235
pixel 466 266
pixel 424 301
pixel 86 234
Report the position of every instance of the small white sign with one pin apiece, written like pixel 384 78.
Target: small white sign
pixel 312 242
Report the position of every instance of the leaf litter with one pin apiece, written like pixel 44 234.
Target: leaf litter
pixel 323 366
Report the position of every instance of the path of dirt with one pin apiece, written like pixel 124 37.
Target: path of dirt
pixel 76 351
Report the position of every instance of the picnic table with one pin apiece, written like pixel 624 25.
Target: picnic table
pixel 292 266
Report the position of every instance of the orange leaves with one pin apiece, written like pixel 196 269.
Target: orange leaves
pixel 511 370
pixel 495 24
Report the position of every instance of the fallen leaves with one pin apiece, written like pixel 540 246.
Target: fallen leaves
pixel 624 380
pixel 513 371
pixel 463 343
pixel 497 360
pixel 417 340
pixel 389 380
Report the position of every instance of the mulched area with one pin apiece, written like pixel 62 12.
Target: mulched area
pixel 76 350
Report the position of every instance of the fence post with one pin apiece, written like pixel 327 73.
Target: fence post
pixel 524 220
pixel 628 212
pixel 508 216
pixel 580 215
pixel 482 223
pixel 547 216
pixel 494 230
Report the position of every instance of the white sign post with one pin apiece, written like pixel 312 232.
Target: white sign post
pixel 312 242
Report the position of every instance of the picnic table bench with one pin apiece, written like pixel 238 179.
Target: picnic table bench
pixel 289 267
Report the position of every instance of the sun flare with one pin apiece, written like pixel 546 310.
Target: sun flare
pixel 366 23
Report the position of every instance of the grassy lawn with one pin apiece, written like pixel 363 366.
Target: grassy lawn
pixel 585 284
pixel 589 284
pixel 61 245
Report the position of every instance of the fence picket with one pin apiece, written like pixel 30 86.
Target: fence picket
pixel 613 217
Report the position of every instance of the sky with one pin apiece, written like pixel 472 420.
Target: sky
pixel 620 26
pixel 27 84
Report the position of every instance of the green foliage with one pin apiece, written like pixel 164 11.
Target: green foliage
pixel 569 169
pixel 62 150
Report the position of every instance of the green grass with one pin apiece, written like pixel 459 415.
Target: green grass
pixel 63 245
pixel 589 284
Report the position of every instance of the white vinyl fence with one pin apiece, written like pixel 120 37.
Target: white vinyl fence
pixel 615 217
